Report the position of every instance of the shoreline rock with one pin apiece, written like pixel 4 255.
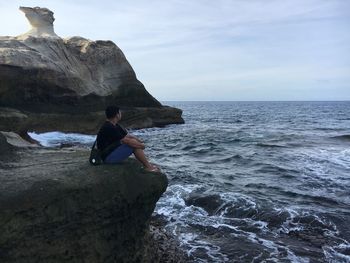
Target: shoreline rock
pixel 56 207
pixel 86 123
pixel 163 245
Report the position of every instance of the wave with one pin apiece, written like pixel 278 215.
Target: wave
pixel 199 146
pixel 345 137
pixel 270 145
pixel 232 140
pixel 210 203
pixel 231 158
pixel 223 160
pixel 60 139
pixel 314 199
pixel 262 186
pixel 270 168
pixel 232 218
pixel 188 147
pixel 327 129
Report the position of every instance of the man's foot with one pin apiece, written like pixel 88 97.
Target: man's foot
pixel 153 169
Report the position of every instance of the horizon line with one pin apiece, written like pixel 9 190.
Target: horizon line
pixel 255 100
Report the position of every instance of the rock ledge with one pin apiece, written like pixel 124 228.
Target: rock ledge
pixel 55 207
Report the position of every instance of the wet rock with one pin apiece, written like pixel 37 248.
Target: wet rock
pixel 210 203
pixel 163 246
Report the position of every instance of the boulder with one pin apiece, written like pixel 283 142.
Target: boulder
pixel 11 140
pixel 55 207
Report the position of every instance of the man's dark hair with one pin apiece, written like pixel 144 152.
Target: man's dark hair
pixel 111 111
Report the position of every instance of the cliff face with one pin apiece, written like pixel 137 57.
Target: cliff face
pixel 41 73
pixel 55 207
pixel 53 74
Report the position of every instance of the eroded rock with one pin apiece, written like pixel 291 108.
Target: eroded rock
pixel 41 20
pixel 87 122
pixel 42 73
pixel 55 207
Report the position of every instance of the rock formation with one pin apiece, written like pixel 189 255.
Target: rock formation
pixel 41 73
pixel 88 122
pixel 55 207
pixel 41 20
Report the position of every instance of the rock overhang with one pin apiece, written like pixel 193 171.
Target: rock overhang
pixel 47 75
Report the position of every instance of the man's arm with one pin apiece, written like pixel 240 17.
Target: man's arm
pixel 133 137
pixel 133 142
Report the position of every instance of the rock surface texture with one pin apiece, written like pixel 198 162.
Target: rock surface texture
pixel 55 207
pixel 43 73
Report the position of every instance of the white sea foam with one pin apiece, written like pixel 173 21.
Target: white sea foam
pixel 181 216
pixel 53 139
pixel 244 202
pixel 333 255
pixel 320 159
pixel 275 249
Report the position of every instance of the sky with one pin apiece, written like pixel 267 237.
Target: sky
pixel 225 50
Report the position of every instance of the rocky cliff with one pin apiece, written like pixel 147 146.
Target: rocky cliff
pixel 41 73
pixel 75 74
pixel 55 207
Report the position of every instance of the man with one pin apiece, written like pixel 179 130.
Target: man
pixel 117 145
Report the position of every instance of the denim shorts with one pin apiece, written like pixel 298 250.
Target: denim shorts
pixel 121 153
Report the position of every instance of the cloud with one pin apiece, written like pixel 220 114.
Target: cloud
pixel 227 47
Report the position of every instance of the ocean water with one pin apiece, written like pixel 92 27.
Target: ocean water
pixel 253 181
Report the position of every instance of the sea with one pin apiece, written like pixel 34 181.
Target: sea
pixel 252 181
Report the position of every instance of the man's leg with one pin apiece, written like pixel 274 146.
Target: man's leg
pixel 119 154
pixel 140 155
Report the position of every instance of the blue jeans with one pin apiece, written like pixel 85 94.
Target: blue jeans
pixel 121 153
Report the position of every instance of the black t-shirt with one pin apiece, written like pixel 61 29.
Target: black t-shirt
pixel 110 134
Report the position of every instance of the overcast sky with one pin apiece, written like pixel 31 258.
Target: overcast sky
pixel 215 49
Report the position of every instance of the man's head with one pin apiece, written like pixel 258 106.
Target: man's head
pixel 113 113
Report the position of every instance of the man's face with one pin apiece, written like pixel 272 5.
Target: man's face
pixel 119 116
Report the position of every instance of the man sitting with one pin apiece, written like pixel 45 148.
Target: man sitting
pixel 117 144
